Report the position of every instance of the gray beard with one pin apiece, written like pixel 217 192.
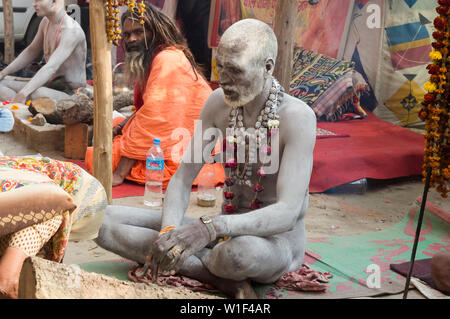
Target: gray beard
pixel 245 96
pixel 136 67
pixel 243 99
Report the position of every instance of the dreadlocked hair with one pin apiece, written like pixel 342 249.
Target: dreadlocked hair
pixel 164 33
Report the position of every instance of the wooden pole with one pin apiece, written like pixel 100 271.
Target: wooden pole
pixel 284 28
pixel 419 227
pixel 103 96
pixel 8 20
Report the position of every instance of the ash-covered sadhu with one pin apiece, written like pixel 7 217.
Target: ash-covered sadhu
pixel 269 141
pixel 63 42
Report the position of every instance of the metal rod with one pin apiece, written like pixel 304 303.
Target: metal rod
pixel 419 226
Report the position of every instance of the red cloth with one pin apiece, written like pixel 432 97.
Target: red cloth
pixel 138 101
pixel 169 280
pixel 375 149
pixel 304 279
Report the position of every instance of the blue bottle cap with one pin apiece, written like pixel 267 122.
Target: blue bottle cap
pixel 156 141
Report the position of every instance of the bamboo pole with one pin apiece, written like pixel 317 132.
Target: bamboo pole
pixel 284 28
pixel 103 97
pixel 8 20
pixel 419 227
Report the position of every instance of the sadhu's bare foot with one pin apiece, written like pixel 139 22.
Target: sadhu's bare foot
pixel 235 289
pixel 245 291
pixel 117 180
pixel 9 290
pixel 10 266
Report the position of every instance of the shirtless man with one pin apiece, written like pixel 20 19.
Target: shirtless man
pixel 64 44
pixel 265 241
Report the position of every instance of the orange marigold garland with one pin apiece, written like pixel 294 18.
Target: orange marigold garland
pixel 112 21
pixel 112 16
pixel 435 111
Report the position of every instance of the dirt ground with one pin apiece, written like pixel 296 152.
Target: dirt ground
pixel 383 205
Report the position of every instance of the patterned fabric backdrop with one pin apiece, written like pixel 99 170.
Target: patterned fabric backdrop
pixel 406 45
pixel 389 42
pixel 313 73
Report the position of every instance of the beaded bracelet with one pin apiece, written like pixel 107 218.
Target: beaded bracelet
pixel 166 230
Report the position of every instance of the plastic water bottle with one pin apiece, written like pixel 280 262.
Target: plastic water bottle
pixel 154 175
pixel 356 187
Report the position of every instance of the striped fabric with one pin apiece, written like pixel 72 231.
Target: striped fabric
pixel 331 87
pixel 314 73
pixel 342 97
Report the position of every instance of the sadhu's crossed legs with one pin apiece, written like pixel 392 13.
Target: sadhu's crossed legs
pixel 130 232
pixel 16 247
pixel 9 89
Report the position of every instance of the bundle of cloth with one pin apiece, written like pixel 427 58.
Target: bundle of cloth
pixel 6 120
pixel 331 87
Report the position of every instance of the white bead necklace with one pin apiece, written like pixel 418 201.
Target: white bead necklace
pixel 266 125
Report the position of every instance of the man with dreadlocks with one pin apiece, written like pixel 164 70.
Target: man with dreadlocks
pixel 169 95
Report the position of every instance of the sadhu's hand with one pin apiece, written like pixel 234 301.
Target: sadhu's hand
pixel 19 98
pixel 117 130
pixel 171 249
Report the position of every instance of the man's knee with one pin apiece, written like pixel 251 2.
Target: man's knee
pixel 440 271
pixel 5 88
pixel 104 233
pixel 9 84
pixel 4 83
pixel 39 92
pixel 54 94
pixel 235 259
pixel 44 92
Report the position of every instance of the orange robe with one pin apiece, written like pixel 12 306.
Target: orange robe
pixel 173 98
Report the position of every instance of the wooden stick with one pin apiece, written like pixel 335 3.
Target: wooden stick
pixel 419 226
pixel 44 279
pixel 103 101
pixel 8 20
pixel 284 28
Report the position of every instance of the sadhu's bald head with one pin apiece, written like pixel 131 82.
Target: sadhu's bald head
pixel 245 61
pixel 59 3
pixel 252 37
pixel 48 7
